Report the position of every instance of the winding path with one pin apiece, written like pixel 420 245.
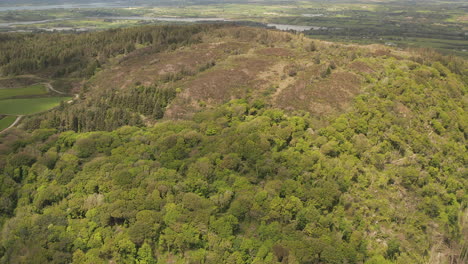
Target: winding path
pixel 51 88
pixel 12 125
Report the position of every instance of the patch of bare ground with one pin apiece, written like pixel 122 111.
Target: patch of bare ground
pixel 275 79
pixel 402 110
pixel 324 96
pixel 361 67
pixel 218 85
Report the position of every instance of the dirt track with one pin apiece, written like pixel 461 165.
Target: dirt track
pixel 12 125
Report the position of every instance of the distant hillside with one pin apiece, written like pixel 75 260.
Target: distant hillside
pixel 130 2
pixel 229 144
pixel 171 2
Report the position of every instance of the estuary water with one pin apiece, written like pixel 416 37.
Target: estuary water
pixel 163 19
pixel 143 18
pixel 168 19
pixel 285 27
pixel 10 24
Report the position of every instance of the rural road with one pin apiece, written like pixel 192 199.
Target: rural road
pixel 51 88
pixel 12 125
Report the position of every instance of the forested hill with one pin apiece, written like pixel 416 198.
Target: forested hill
pixel 227 144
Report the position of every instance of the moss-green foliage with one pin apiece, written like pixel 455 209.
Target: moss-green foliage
pixel 381 183
pixel 29 106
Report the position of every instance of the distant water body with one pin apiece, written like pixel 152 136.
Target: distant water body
pixel 163 19
pixel 122 5
pixel 10 24
pixel 283 27
pixel 167 19
pixel 294 27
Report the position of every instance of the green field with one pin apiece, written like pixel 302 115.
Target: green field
pixel 37 89
pixel 6 122
pixel 29 106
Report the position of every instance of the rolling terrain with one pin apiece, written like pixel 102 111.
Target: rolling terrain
pixel 232 144
pixel 431 23
pixel 25 95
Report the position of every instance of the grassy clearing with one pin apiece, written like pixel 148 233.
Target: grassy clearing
pixel 37 89
pixel 6 122
pixel 29 106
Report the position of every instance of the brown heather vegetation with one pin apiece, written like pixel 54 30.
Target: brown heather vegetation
pixel 246 62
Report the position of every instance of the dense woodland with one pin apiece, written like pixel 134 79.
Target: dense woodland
pixel 243 182
pixel 79 55
pixel 373 29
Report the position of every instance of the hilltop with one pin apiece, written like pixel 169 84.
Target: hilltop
pixel 229 144
pixel 202 69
